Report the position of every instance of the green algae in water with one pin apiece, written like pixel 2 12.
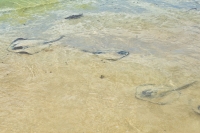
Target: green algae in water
pixel 87 6
pixel 18 4
pixel 79 5
pixel 18 11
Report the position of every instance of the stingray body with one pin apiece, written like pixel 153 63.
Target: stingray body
pixel 74 16
pixel 197 109
pixel 159 94
pixel 29 46
pixel 195 105
pixel 112 55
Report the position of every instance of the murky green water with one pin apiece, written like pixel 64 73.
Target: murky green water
pixel 21 11
pixel 85 81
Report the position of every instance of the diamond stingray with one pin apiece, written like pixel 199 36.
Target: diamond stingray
pixel 29 46
pixel 159 94
pixel 111 55
pixel 195 105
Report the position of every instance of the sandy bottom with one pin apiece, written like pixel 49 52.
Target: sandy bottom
pixel 62 89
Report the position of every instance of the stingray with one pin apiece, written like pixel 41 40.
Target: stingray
pixel 74 16
pixel 195 105
pixel 30 46
pixel 112 55
pixel 197 109
pixel 159 94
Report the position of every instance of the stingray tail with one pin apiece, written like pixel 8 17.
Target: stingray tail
pixel 185 86
pixel 61 37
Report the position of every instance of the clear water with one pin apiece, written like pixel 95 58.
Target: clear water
pixel 63 89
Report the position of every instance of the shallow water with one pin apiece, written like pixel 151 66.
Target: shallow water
pixel 64 89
